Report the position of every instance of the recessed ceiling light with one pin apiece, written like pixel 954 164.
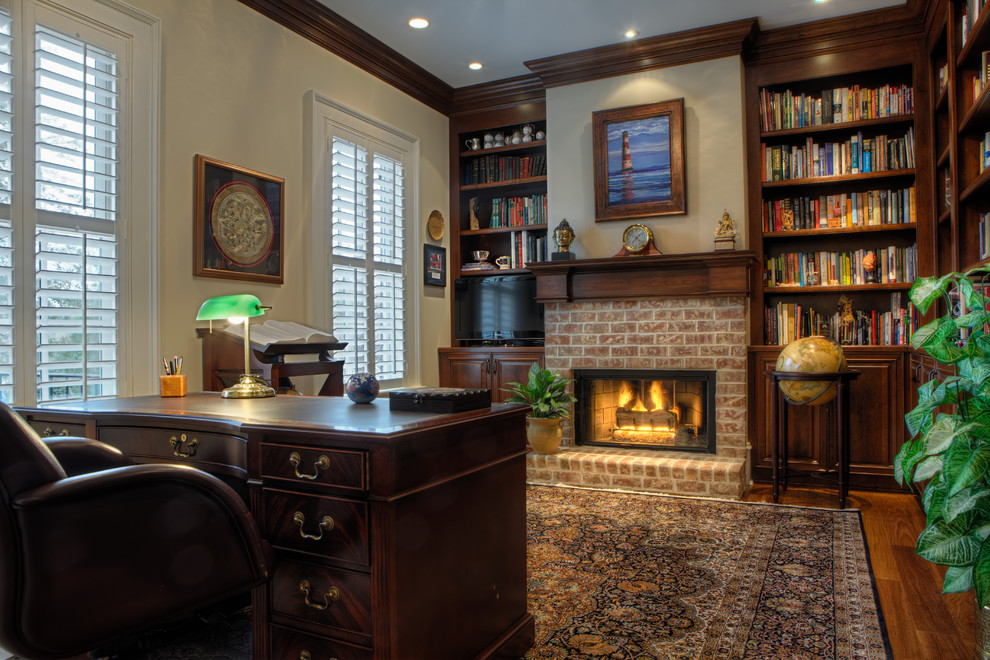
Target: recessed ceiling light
pixel 474 65
pixel 418 23
pixel 631 34
pixel 819 0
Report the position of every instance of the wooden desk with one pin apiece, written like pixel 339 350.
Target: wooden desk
pixel 409 528
pixel 223 363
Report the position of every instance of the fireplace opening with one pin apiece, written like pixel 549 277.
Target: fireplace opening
pixel 645 409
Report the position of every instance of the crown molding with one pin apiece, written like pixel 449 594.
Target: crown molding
pixel 879 26
pixel 314 21
pixel 497 95
pixel 707 43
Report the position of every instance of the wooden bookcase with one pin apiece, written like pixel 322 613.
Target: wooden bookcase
pixel 464 365
pixel 877 431
pixel 507 188
pixel 962 137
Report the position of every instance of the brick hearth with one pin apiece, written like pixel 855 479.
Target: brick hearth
pixel 707 332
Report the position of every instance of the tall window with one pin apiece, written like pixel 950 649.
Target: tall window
pixel 368 171
pixel 367 216
pixel 62 151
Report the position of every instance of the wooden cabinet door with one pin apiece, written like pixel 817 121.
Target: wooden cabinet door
pixel 876 419
pixel 464 367
pixel 509 367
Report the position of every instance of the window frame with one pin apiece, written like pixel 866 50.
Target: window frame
pixel 137 37
pixel 323 114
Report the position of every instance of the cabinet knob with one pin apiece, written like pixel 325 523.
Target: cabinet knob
pixel 325 526
pixel 332 594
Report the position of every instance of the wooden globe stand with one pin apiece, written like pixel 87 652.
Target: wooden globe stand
pixel 778 429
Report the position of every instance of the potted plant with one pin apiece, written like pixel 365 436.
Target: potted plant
pixel 546 395
pixel 950 429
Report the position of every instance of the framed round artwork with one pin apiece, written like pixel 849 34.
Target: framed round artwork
pixel 238 222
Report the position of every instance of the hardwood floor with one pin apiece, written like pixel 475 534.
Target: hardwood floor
pixel 921 621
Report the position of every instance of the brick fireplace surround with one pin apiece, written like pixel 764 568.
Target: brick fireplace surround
pixel 672 312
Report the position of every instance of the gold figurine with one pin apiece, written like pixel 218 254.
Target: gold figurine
pixel 563 235
pixel 725 235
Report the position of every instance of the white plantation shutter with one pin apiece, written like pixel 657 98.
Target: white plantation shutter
pixel 367 243
pixel 6 195
pixel 76 164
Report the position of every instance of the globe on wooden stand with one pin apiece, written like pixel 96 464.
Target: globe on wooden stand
pixel 813 355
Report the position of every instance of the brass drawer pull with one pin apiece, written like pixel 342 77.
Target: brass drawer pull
pixel 49 432
pixel 306 655
pixel 332 594
pixel 322 463
pixel 183 447
pixel 325 526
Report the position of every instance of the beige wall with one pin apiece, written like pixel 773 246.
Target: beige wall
pixel 233 89
pixel 714 162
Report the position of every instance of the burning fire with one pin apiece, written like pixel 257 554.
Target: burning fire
pixel 628 404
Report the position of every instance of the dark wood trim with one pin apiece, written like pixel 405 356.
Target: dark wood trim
pixel 314 21
pixel 728 273
pixel 497 95
pixel 868 28
pixel 708 43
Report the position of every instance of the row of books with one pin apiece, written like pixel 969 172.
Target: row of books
pixel 786 322
pixel 984 235
pixel 854 156
pixel 985 152
pixel 527 247
pixel 494 168
pixel 519 211
pixel 787 109
pixel 970 13
pixel 863 209
pixel 889 264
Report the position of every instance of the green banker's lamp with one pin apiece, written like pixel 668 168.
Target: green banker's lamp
pixel 238 308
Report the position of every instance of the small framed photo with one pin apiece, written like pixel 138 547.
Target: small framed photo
pixel 434 265
pixel 639 160
pixel 237 222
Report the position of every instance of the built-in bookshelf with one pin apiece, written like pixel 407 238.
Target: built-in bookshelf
pixel 838 207
pixel 499 219
pixel 964 45
pixel 503 197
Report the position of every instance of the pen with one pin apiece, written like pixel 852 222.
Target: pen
pixel 165 362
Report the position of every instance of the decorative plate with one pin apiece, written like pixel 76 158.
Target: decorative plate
pixel 435 225
pixel 241 224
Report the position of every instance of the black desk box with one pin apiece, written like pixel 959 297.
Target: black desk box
pixel 439 399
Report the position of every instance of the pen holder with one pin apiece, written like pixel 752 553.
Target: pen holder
pixel 174 385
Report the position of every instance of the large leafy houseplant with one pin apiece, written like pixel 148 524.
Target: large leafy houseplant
pixel 545 393
pixel 950 433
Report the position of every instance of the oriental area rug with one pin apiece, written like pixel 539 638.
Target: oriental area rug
pixel 620 575
pixel 636 576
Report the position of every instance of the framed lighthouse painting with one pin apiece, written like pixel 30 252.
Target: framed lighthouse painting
pixel 639 160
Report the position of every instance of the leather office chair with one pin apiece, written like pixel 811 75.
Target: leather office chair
pixel 93 547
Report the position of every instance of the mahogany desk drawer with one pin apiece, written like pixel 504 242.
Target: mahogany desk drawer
pixel 49 429
pixel 288 643
pixel 325 526
pixel 332 597
pixel 178 446
pixel 340 468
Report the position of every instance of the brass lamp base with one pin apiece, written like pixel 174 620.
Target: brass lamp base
pixel 248 387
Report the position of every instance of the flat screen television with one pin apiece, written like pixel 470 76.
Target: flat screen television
pixel 500 310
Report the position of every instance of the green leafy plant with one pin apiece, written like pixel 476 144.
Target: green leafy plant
pixel 545 393
pixel 950 431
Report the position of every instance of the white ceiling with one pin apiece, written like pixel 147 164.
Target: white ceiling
pixel 502 34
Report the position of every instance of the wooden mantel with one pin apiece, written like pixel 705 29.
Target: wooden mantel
pixel 724 273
